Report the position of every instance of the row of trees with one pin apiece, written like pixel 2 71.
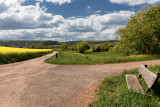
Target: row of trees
pixel 28 43
pixel 40 46
pixel 83 47
pixel 142 33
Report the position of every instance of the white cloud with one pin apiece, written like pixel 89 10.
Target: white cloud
pixel 40 1
pixel 94 27
pixel 88 7
pixel 27 17
pixel 60 2
pixel 135 2
pixel 6 4
pixel 98 11
pixel 32 22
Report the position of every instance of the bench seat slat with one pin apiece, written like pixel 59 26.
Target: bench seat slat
pixel 133 83
pixel 148 76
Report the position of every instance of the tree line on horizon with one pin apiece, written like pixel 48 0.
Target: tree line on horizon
pixel 29 44
pixel 34 44
pixel 85 47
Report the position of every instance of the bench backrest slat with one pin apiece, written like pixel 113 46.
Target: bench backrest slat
pixel 148 76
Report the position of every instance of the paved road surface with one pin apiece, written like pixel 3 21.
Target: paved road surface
pixel 35 83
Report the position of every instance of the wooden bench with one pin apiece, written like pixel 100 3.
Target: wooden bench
pixel 149 77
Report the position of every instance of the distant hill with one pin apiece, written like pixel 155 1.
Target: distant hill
pixel 93 42
pixel 26 43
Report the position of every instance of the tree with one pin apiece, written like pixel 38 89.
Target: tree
pixel 141 34
pixel 40 46
pixel 64 46
pixel 73 47
pixel 50 47
pixel 83 46
pixel 33 46
pixel 104 47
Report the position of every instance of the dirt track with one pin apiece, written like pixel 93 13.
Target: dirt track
pixel 35 83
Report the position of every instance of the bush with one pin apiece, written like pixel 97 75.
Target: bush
pixel 73 47
pixel 97 49
pixel 64 46
pixel 105 46
pixel 141 34
pixel 83 46
pixel 89 51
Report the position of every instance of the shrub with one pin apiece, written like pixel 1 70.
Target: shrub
pixel 83 46
pixel 104 47
pixel 89 51
pixel 73 47
pixel 64 46
pixel 97 49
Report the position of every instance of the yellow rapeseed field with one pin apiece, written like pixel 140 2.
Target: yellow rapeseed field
pixel 10 50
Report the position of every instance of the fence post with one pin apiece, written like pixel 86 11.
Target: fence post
pixel 56 55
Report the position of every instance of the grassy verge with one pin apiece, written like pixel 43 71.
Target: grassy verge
pixel 113 92
pixel 72 57
pixel 13 57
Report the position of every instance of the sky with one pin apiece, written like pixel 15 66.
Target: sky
pixel 66 20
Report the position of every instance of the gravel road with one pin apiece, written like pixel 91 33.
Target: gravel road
pixel 34 83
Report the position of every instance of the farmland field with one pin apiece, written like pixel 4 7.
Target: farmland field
pixel 10 50
pixel 10 55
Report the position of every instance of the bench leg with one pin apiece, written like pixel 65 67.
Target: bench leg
pixel 139 76
pixel 147 90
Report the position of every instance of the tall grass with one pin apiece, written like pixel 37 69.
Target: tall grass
pixel 113 92
pixel 72 57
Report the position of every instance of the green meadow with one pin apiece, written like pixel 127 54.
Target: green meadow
pixel 73 57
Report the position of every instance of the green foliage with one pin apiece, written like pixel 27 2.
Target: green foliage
pixel 105 46
pixel 40 46
pixel 83 46
pixel 13 57
pixel 120 31
pixel 95 42
pixel 89 51
pixel 73 48
pixel 97 49
pixel 33 46
pixel 49 47
pixel 113 92
pixel 102 47
pixel 64 46
pixel 72 57
pixel 141 34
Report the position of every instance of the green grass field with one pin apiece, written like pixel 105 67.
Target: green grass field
pixel 72 57
pixel 113 92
